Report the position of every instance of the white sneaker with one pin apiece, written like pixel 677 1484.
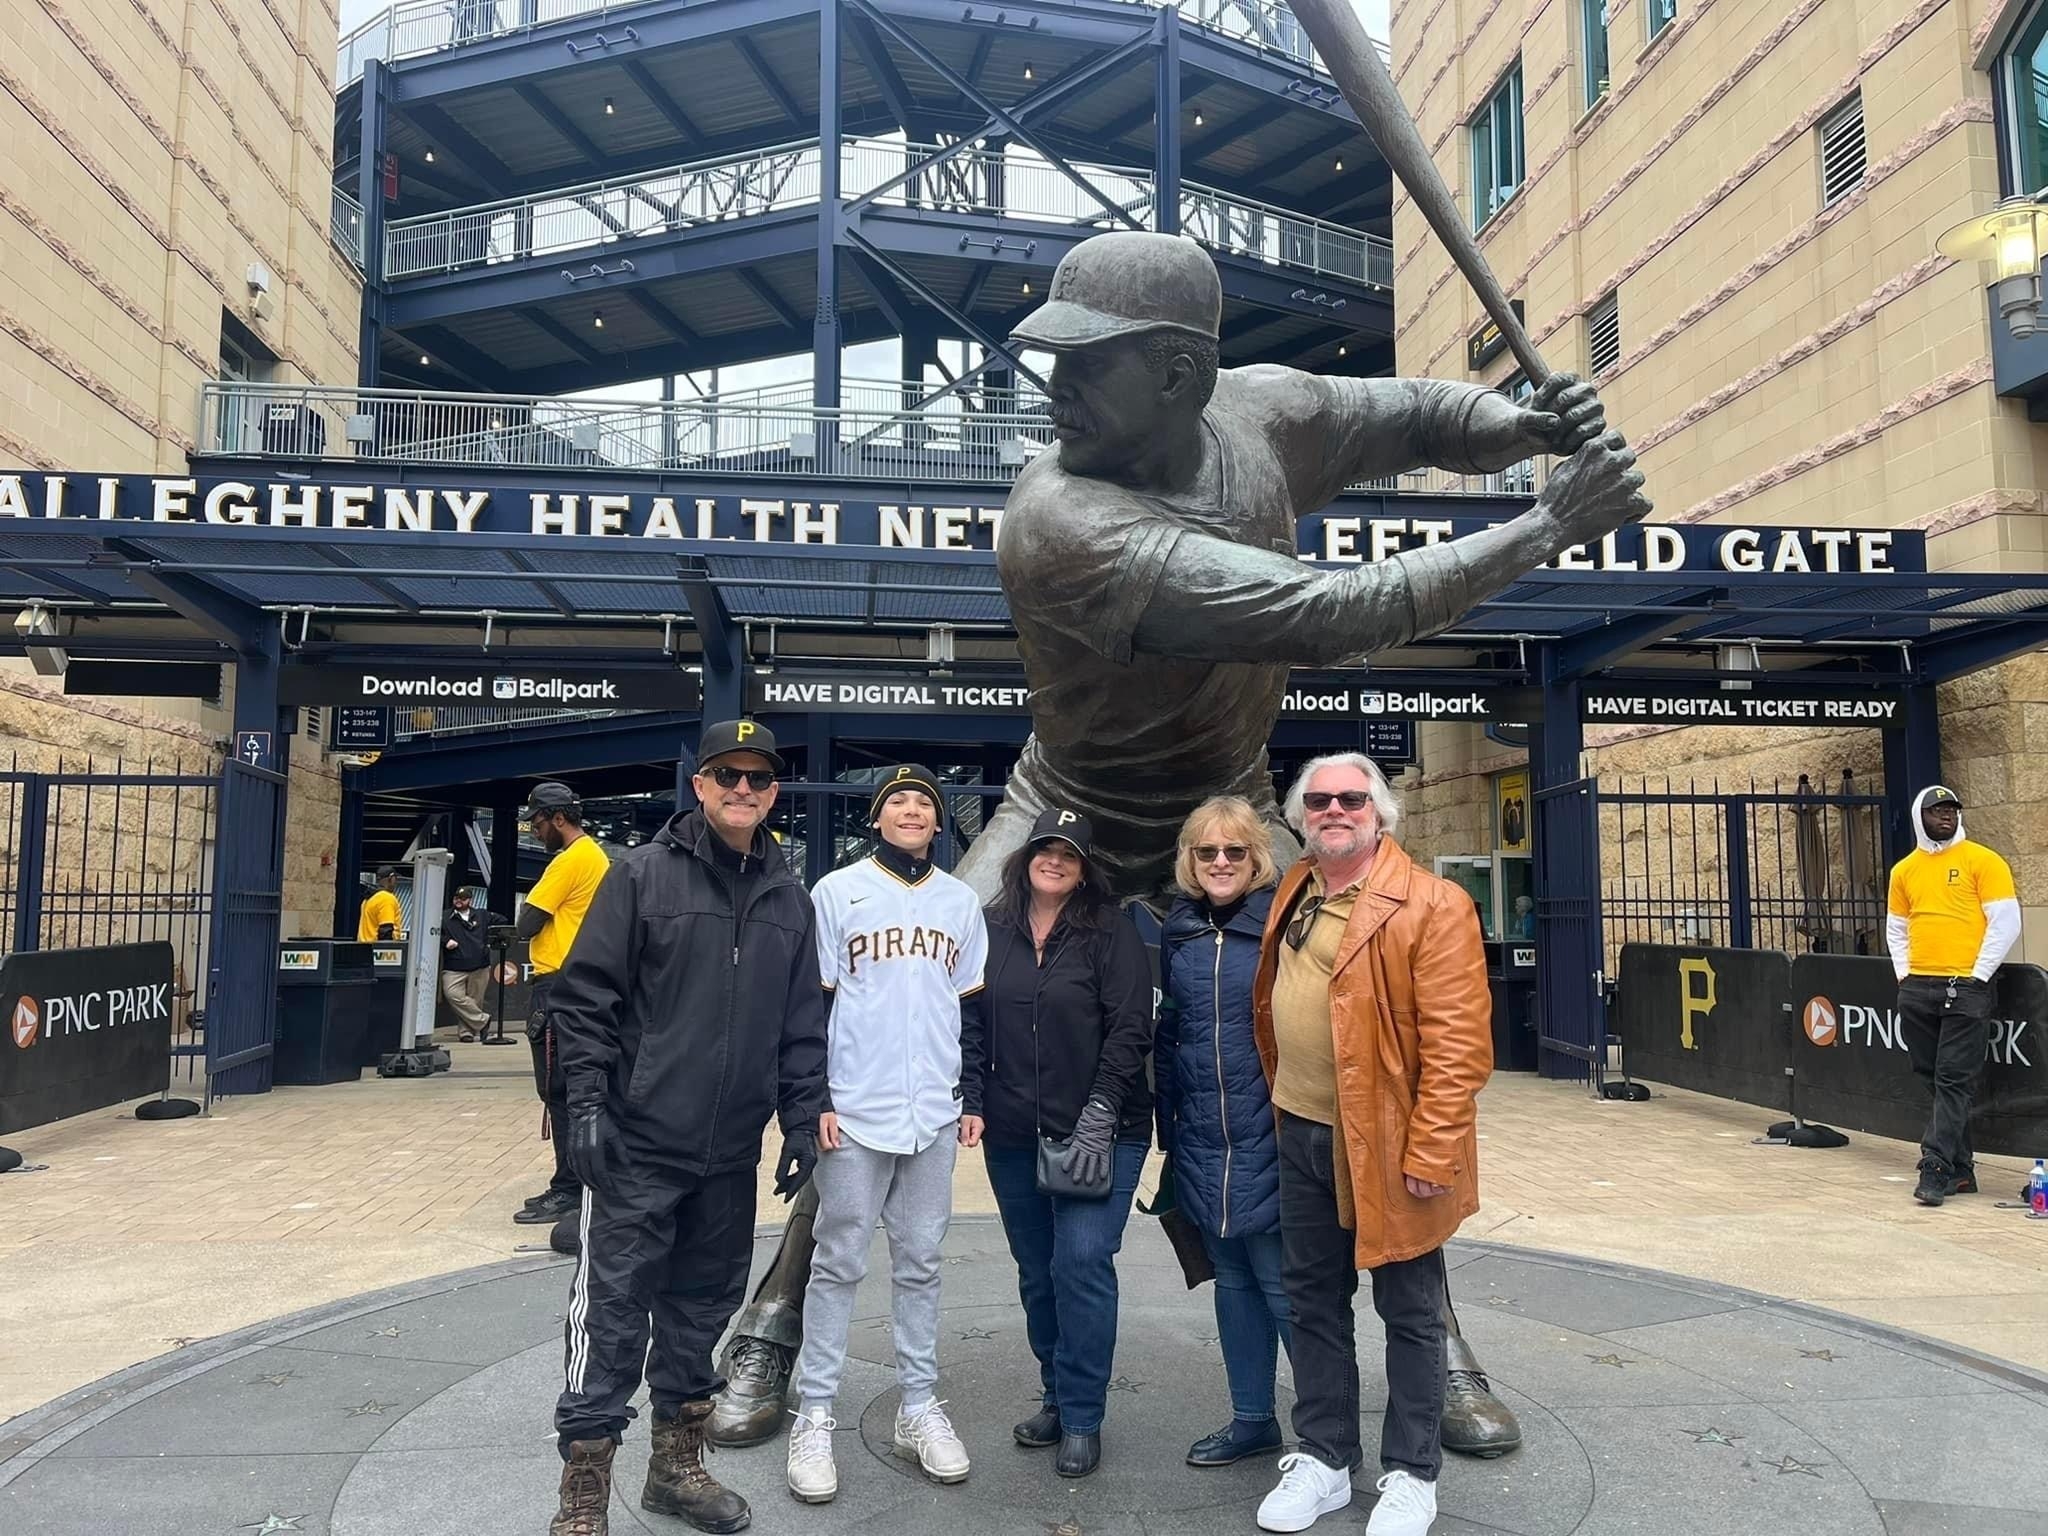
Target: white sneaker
pixel 1407 1506
pixel 813 1477
pixel 927 1434
pixel 1308 1490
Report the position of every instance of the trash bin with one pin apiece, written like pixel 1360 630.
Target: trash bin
pixel 323 1011
pixel 385 963
pixel 1511 977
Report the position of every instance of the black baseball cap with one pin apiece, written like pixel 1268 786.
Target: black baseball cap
pixel 549 796
pixel 727 736
pixel 907 776
pixel 1069 827
pixel 1941 794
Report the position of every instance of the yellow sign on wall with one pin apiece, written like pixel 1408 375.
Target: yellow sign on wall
pixel 1511 798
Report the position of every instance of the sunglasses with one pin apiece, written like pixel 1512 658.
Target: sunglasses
pixel 1304 919
pixel 1207 853
pixel 1350 799
pixel 725 777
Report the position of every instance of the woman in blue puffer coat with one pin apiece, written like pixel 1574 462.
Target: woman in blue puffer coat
pixel 1215 1119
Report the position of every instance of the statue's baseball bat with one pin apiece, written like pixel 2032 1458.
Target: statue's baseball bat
pixel 1361 75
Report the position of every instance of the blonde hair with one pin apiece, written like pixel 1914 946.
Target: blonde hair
pixel 1234 818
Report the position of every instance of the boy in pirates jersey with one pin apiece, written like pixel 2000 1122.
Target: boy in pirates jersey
pixel 900 949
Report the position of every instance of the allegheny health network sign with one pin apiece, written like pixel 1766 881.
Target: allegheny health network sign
pixel 943 518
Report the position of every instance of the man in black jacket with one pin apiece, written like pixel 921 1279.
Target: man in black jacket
pixel 689 1011
pixel 466 961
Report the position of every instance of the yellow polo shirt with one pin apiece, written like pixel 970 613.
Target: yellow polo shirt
pixel 1941 896
pixel 563 892
pixel 381 908
pixel 1305 1073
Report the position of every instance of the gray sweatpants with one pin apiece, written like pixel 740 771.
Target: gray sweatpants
pixel 912 1194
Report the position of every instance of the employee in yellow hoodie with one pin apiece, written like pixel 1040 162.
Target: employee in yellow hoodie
pixel 1953 918
pixel 382 917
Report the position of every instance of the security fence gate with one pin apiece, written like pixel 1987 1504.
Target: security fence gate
pixel 181 853
pixel 1796 868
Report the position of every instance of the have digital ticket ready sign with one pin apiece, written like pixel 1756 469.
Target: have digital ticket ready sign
pixel 85 1028
pixel 383 504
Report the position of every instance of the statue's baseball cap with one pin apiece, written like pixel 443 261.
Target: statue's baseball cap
pixel 546 796
pixel 1941 794
pixel 728 736
pixel 1122 283
pixel 1059 826
pixel 904 776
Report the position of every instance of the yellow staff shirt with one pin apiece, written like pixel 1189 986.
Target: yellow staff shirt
pixel 381 908
pixel 1941 896
pixel 563 892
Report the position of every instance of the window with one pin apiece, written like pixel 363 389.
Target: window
pixel 2025 70
pixel 1662 14
pixel 1603 333
pixel 1841 150
pixel 1594 13
pixel 1497 166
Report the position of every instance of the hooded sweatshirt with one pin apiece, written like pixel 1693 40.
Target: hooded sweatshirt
pixel 1953 908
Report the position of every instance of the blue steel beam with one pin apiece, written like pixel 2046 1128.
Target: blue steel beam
pixel 563 748
pixel 662 316
pixel 523 561
pixel 557 332
pixel 758 286
pixel 966 323
pixel 724 351
pixel 888 79
pixel 214 610
pixel 777 91
pixel 1317 149
pixel 1603 645
pixel 455 353
pixel 662 102
pixel 1244 125
pixel 558 120
pixel 455 140
pixel 1985 645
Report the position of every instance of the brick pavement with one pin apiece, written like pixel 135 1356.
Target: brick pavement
pixel 143 1234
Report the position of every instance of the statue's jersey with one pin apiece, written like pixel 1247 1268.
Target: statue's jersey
pixel 1137 738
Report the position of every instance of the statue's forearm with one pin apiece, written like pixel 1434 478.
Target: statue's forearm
pixel 1464 428
pixel 1448 580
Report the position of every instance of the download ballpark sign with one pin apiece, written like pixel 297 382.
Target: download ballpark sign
pixel 86 1028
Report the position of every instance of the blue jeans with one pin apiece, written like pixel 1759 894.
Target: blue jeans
pixel 1251 1318
pixel 1066 1275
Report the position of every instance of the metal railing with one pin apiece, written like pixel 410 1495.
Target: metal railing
pixel 874 438
pixel 345 226
pixel 594 215
pixel 416 27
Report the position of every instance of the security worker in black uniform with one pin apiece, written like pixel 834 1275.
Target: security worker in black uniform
pixel 689 1012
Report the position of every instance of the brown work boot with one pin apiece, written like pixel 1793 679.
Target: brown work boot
pixel 677 1483
pixel 586 1489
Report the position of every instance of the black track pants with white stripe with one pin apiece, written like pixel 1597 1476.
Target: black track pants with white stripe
pixel 667 1249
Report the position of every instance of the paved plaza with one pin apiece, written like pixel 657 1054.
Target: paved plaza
pixel 310 1312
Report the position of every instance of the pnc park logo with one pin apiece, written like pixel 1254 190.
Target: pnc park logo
pixel 1823 1026
pixel 27 1023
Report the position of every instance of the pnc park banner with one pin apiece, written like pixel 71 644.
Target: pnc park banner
pixel 934 517
pixel 86 1028
pixel 1760 1025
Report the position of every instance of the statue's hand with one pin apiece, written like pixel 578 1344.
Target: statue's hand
pixel 1592 493
pixel 1563 416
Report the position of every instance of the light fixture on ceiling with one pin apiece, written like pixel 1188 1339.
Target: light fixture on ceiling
pixel 425 361
pixel 1341 349
pixel 430 157
pixel 608 112
pixel 1027 72
pixel 2012 237
pixel 597 321
pixel 1198 119
pixel 1027 287
pixel 1340 162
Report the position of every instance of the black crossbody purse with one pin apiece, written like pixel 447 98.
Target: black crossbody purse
pixel 1053 1177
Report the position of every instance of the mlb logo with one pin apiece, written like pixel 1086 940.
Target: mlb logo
pixel 504 688
pixel 1372 703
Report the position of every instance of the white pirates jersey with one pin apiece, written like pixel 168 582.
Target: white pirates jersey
pixel 897 958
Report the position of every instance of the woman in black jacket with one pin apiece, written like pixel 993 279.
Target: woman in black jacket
pixel 1068 1020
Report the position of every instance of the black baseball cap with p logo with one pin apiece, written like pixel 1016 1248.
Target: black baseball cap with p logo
pixel 1941 794
pixel 1069 827
pixel 726 736
pixel 912 776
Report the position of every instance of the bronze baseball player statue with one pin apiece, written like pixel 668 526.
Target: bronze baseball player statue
pixel 1150 566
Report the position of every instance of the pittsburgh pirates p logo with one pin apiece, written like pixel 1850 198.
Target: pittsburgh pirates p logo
pixel 1064 817
pixel 746 729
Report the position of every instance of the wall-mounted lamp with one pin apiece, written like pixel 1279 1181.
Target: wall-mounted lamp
pixel 2012 237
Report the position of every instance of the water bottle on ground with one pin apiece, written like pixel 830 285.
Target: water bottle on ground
pixel 2037 1191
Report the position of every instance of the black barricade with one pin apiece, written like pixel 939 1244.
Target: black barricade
pixel 1733 1022
pixel 1705 1018
pixel 1850 1054
pixel 86 1028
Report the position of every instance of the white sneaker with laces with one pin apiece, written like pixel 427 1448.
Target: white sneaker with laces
pixel 1308 1490
pixel 927 1435
pixel 813 1476
pixel 1407 1506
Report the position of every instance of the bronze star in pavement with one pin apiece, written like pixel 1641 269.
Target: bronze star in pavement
pixel 1500 1301
pixel 1710 1436
pixel 975 1335
pixel 1064 1528
pixel 1818 1354
pixel 277 1380
pixel 1125 1384
pixel 1791 1464
pixel 272 1524
pixel 384 1333
pixel 371 1407
pixel 1614 1360
pixel 182 1340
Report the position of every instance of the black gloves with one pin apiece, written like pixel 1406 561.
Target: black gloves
pixel 1088 1151
pixel 593 1148
pixel 799 1157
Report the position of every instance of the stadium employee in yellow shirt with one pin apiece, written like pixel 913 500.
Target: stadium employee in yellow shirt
pixel 553 912
pixel 382 917
pixel 1954 916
